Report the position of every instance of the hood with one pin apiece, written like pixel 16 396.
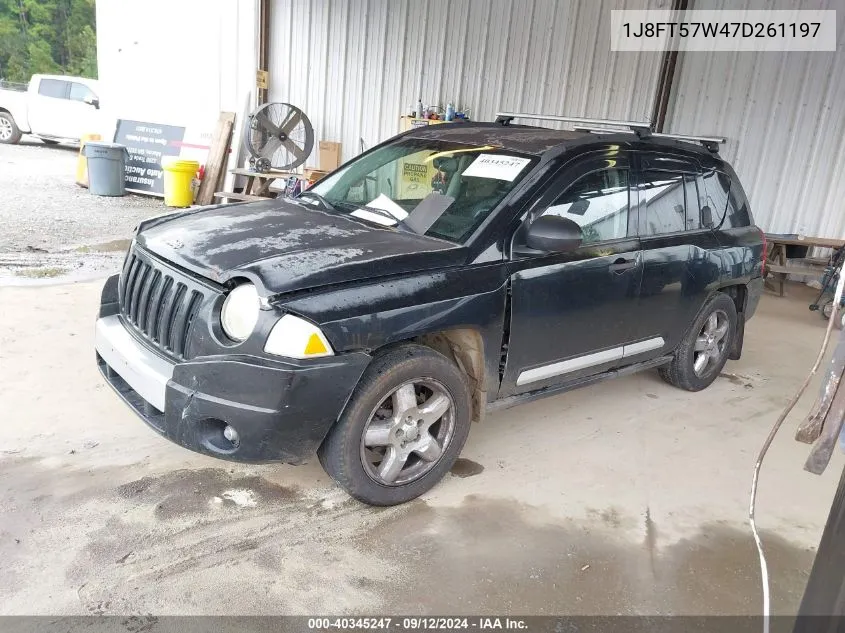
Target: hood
pixel 282 246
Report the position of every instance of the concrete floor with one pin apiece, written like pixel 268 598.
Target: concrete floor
pixel 626 497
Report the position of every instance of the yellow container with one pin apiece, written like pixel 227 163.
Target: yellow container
pixel 82 162
pixel 178 178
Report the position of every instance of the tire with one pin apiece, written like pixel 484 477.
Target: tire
pixel 10 134
pixel 50 141
pixel 681 372
pixel 370 418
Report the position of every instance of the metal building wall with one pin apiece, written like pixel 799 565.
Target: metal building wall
pixel 355 66
pixel 784 117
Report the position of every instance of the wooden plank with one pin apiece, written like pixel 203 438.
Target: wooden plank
pixel 273 173
pixel 822 450
pixel 811 428
pixel 821 242
pixel 790 269
pixel 239 196
pixel 218 155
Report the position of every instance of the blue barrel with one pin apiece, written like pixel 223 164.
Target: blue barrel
pixel 106 168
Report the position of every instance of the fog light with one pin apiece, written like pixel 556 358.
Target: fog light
pixel 231 434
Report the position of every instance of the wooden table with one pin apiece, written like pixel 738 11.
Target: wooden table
pixel 777 265
pixel 257 184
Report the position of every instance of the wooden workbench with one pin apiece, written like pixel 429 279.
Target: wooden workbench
pixel 257 184
pixel 776 263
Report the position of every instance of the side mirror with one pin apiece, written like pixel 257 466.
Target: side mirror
pixel 92 101
pixel 706 217
pixel 553 234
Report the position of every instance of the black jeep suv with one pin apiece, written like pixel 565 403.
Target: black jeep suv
pixel 448 271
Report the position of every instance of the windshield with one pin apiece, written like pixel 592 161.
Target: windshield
pixel 438 188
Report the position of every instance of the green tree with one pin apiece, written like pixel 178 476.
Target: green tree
pixel 47 36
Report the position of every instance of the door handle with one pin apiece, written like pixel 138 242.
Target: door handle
pixel 621 265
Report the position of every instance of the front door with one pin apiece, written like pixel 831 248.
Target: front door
pixel 569 310
pixel 82 111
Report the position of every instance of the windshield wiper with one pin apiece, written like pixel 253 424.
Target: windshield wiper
pixel 326 204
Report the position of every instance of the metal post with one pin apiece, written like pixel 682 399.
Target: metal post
pixel 666 78
pixel 823 606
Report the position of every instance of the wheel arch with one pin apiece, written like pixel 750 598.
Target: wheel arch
pixel 739 293
pixel 465 347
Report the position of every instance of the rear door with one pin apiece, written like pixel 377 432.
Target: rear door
pixel 570 311
pixel 48 107
pixel 681 262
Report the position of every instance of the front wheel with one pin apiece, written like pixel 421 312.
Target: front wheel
pixel 704 351
pixel 403 428
pixel 9 131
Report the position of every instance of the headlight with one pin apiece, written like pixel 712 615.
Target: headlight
pixel 240 312
pixel 297 338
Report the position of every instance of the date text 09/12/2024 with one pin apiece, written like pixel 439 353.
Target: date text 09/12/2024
pixel 417 623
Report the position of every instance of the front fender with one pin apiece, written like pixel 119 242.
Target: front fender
pixel 368 316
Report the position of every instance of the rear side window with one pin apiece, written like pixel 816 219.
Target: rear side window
pixel 666 210
pixel 598 202
pixel 725 201
pixel 53 88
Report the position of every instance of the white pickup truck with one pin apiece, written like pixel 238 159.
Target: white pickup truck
pixel 54 108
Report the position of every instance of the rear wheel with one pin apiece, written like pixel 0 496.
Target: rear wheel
pixel 403 428
pixel 704 350
pixel 9 131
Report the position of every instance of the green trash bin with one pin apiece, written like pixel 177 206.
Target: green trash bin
pixel 106 168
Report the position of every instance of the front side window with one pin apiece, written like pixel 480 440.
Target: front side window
pixel 432 187
pixel 599 203
pixel 666 210
pixel 53 88
pixel 81 92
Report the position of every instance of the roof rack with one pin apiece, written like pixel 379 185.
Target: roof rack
pixel 606 126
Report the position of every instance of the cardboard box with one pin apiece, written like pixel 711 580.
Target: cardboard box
pixel 313 175
pixel 329 156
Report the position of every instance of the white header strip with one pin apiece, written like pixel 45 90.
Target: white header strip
pixel 727 30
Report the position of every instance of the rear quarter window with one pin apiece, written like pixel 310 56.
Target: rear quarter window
pixel 726 200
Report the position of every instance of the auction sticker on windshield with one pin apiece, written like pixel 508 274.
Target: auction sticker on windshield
pixel 496 166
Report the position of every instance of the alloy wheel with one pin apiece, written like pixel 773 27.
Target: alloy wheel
pixel 5 129
pixel 408 432
pixel 711 343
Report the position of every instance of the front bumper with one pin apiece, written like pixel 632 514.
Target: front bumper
pixel 281 410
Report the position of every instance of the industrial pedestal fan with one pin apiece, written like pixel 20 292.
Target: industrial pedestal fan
pixel 278 136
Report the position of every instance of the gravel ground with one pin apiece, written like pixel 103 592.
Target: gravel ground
pixel 49 226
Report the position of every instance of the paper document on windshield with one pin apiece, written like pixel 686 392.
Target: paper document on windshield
pixel 385 204
pixel 496 166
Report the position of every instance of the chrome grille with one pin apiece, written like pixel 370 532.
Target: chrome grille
pixel 158 304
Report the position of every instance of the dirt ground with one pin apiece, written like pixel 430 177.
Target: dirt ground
pixel 627 497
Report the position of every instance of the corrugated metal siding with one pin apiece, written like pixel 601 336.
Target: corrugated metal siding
pixel 355 66
pixel 784 117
